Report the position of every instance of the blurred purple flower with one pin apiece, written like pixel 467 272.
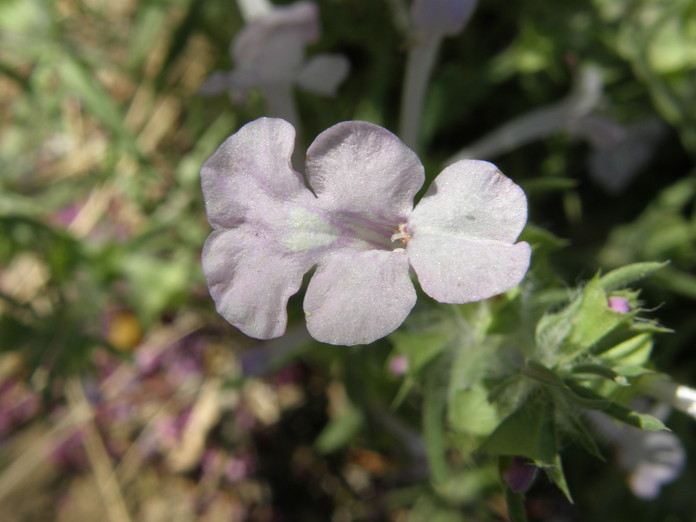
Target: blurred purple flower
pixel 239 467
pixel 357 225
pixel 18 404
pixel 70 452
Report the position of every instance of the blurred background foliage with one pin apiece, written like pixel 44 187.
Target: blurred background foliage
pixel 123 391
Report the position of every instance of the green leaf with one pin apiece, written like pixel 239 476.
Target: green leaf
pixel 553 329
pixel 632 352
pixel 157 283
pixel 542 374
pixel 625 275
pixel 556 475
pixel 421 347
pixel 592 321
pixel 470 412
pixel 340 430
pixel 626 415
pixel 582 434
pixel 530 431
pixel 601 371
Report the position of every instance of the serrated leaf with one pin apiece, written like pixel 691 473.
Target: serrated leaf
pixel 530 431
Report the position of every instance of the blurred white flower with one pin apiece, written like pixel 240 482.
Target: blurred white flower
pixel 618 151
pixel 680 397
pixel 269 55
pixel 650 458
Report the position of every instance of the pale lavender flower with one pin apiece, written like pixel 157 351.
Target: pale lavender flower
pixel 356 224
pixel 269 55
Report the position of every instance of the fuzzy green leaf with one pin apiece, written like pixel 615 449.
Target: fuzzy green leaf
pixel 625 275
pixel 626 415
pixel 529 431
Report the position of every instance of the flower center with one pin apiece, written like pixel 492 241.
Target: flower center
pixel 401 235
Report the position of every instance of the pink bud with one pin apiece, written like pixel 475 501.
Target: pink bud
pixel 619 304
pixel 398 365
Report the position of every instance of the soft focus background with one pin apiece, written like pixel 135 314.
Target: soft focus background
pixel 124 396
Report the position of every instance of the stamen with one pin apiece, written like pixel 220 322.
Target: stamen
pixel 401 235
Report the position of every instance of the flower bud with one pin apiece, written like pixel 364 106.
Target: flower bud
pixel 519 474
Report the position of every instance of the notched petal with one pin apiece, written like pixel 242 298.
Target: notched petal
pixel 472 199
pixel 251 173
pixel 358 297
pixel 452 270
pixel 358 167
pixel 251 279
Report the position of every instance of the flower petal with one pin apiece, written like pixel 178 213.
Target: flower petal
pixel 252 9
pixel 362 168
pixel 295 25
pixel 216 83
pixel 455 270
pixel 250 174
pixel 251 278
pixel 323 74
pixel 471 200
pixel 358 297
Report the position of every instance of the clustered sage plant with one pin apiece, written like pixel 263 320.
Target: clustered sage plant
pixel 513 377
